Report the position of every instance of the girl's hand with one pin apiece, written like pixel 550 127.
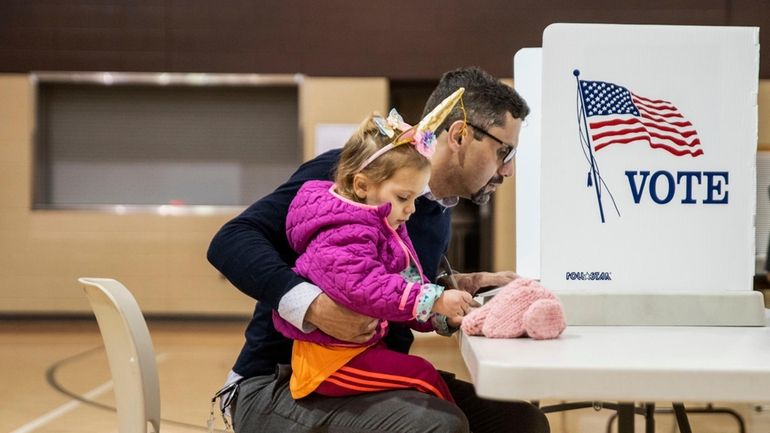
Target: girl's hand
pixel 454 304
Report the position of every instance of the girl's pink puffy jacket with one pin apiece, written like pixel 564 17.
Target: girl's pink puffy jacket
pixel 350 252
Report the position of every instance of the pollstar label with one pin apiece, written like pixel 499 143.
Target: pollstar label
pixel 588 276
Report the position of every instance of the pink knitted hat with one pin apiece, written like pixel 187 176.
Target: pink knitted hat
pixel 523 307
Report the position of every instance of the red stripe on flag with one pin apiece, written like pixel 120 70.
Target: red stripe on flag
pixel 676 140
pixel 685 123
pixel 653 144
pixel 618 132
pixel 614 122
pixel 676 152
pixel 653 101
pixel 631 139
pixel 663 115
pixel 685 133
pixel 653 107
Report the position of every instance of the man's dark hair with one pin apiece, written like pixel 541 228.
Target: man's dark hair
pixel 486 99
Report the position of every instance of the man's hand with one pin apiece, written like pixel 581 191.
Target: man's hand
pixel 471 283
pixel 339 322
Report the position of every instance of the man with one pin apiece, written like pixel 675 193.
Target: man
pixel 472 157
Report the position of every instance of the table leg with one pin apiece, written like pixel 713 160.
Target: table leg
pixel 681 418
pixel 649 417
pixel 626 418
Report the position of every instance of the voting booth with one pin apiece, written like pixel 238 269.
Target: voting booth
pixel 636 187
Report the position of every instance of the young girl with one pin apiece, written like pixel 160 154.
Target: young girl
pixel 353 244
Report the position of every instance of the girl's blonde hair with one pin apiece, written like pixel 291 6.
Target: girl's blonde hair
pixel 364 143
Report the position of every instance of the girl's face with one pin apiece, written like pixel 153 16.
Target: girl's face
pixel 400 190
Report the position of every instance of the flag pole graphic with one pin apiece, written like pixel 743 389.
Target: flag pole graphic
pixel 592 160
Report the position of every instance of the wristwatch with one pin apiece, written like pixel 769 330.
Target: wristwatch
pixel 447 280
pixel 445 277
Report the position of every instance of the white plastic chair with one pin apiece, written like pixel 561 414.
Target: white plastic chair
pixel 129 352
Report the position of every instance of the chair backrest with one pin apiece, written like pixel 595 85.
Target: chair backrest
pixel 129 352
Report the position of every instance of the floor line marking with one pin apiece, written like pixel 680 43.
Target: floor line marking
pixel 71 405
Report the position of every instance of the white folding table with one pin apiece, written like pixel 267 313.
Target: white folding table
pixel 625 364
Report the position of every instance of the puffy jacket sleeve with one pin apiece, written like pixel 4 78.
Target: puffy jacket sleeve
pixel 346 265
pixel 421 326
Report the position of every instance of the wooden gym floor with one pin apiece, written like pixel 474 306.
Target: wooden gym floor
pixel 55 378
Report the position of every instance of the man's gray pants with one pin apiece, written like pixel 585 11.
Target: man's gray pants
pixel 264 404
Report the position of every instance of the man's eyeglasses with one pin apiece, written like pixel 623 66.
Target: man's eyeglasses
pixel 506 152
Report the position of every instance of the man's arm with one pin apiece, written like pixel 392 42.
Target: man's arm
pixel 473 282
pixel 252 252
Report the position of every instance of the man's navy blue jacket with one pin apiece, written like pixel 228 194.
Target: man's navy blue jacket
pixel 251 250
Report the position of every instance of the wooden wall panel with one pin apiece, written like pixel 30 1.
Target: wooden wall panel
pixel 162 259
pixel 338 100
pixel 764 115
pixel 504 222
pixel 754 13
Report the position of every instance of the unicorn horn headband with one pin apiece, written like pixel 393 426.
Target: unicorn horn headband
pixel 423 136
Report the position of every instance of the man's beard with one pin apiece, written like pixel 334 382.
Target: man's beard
pixel 482 195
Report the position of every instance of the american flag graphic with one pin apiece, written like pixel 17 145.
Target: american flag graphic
pixel 615 115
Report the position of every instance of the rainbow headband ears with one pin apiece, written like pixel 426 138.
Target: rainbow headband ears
pixel 423 136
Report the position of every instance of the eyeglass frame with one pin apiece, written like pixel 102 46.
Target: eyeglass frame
pixel 509 155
